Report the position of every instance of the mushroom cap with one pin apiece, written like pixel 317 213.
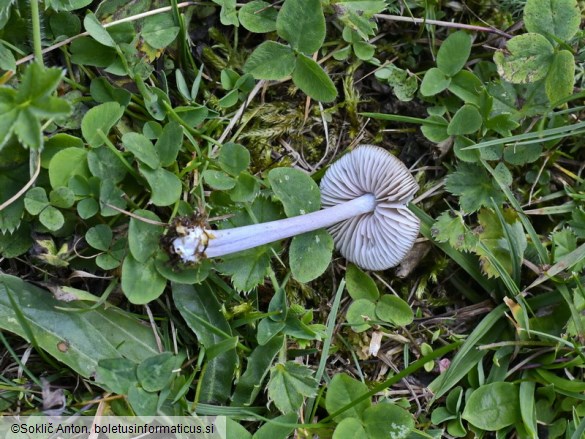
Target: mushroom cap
pixel 380 239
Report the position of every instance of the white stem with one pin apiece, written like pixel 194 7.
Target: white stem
pixel 227 241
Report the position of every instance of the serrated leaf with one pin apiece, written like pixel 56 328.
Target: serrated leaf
pixel 302 24
pixel 312 79
pixel 247 268
pixel 560 18
pixel 528 59
pixel 474 187
pixel 28 129
pixel 258 16
pixel 289 384
pixel 270 60
pixel 450 228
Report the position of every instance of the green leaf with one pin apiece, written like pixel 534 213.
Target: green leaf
pixel 38 82
pixel 466 120
pixel 218 180
pixel 360 285
pixel 159 30
pixel 95 29
pixel 259 361
pixel 360 313
pixel 312 79
pixel 36 200
pixel 16 243
pixel 289 384
pixel 62 197
pixel 105 164
pixel 28 129
pixel 528 59
pixel 143 403
pixel 310 255
pixel 453 53
pixel 467 87
pixel 349 428
pixel 228 15
pixel 165 186
pixel 169 143
pixel 202 312
pixel 450 227
pixel 98 122
pixel 7 60
pixel 270 61
pixel 279 427
pixel 144 238
pixel 493 406
pixel 88 52
pixel 297 191
pixel 247 268
pixel 89 337
pixel 522 154
pixel 561 77
pixel 112 195
pixel 267 330
pixel 142 148
pixel 434 82
pixel 99 237
pixel 141 282
pixel 526 402
pixel 343 390
pixel 560 18
pixel 258 16
pixel 52 218
pixel 387 420
pixel 234 158
pixel 437 131
pixel 246 188
pixel 155 373
pixel 67 163
pixel 116 374
pixel 403 84
pixel 102 91
pixel 302 24
pixel 394 310
pixel 474 187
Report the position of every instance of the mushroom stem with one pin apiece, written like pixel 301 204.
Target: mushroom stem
pixel 223 242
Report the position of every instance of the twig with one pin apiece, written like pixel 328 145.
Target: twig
pixel 17 195
pixel 442 23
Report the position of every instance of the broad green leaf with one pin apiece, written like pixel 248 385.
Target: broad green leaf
pixel 7 60
pixel 302 24
pixel 434 82
pixel 466 120
pixel 453 53
pixel 360 285
pixel 560 18
pixel 98 122
pixel 102 91
pixel 169 143
pixel 528 59
pixel 228 15
pixel 64 23
pixel 258 16
pixel 467 87
pixel 270 60
pixel 493 406
pixel 268 329
pixel 114 257
pixel 561 77
pixel 99 237
pixel 36 200
pixel 289 384
pixel 155 373
pixel 246 188
pixel 67 163
pixel 141 282
pixel 312 79
pixel 258 366
pixel 394 310
pixel 97 31
pixel 364 50
pixel 349 428
pixel 234 158
pixel 143 403
pixel 182 275
pixel 474 187
pixel 111 195
pixel 84 338
pixel 38 82
pixel 387 420
pixel 522 154
pixel 165 186
pixel 526 402
pixel 142 148
pixel 310 255
pixel 436 131
pixel 297 191
pixel 359 313
pixel 202 312
pixel 116 374
pixel 88 52
pixel 159 30
pixel 143 237
pixel 67 5
pixel 218 180
pixel 279 427
pixel 105 164
pixel 247 268
pixel 343 390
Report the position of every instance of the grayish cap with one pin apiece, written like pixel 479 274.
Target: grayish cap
pixel 380 239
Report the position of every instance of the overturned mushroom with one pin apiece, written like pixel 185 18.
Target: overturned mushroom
pixel 364 195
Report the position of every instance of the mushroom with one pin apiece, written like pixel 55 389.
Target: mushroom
pixel 364 196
